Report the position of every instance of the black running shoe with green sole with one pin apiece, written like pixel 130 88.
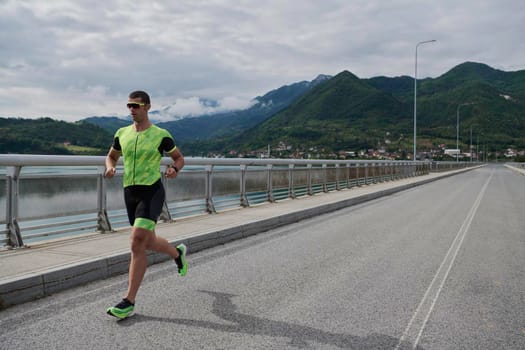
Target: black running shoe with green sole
pixel 122 310
pixel 182 265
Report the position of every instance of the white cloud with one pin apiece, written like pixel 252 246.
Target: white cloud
pixel 71 60
pixel 60 104
pixel 195 106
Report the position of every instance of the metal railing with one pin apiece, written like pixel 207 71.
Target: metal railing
pixel 43 200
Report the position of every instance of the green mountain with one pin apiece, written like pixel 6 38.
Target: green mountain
pixel 223 124
pixel 348 113
pixel 496 113
pixel 48 136
pixel 110 124
pixel 343 112
pixel 401 88
pixel 232 123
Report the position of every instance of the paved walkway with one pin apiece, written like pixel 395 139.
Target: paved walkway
pixel 47 268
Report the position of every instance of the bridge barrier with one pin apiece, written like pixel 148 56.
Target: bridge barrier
pixel 50 196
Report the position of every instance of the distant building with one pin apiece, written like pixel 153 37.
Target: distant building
pixel 510 153
pixel 451 151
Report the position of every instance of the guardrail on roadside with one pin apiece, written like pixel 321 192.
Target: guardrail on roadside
pixel 206 185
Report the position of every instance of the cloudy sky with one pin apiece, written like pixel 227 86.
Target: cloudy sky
pixel 70 59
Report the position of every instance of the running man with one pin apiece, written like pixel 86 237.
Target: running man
pixel 142 146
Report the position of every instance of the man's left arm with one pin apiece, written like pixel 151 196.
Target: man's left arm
pixel 178 163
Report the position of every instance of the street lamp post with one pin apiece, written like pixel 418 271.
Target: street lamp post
pixel 477 148
pixel 470 150
pixel 457 127
pixel 415 93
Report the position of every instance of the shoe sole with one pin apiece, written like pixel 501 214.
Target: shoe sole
pixel 119 317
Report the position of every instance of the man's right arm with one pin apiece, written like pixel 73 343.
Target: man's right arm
pixel 111 162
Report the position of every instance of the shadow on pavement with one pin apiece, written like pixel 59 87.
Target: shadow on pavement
pixel 299 335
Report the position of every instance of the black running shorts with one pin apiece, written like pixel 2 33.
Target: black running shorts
pixel 144 204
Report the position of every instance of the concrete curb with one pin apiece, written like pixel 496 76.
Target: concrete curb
pixel 27 288
pixel 519 170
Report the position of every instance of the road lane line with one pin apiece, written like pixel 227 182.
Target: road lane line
pixel 418 322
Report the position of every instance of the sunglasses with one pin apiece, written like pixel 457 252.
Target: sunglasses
pixel 135 105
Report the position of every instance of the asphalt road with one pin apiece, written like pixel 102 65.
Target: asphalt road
pixel 440 266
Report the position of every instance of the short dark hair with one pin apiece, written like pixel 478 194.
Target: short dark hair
pixel 144 97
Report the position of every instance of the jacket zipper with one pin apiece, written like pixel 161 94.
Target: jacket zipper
pixel 135 157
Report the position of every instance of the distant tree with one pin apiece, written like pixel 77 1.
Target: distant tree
pixel 520 159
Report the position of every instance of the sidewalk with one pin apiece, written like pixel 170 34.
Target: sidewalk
pixel 47 268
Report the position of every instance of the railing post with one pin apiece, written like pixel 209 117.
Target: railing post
pixel 357 180
pixel 366 173
pixel 348 165
pixel 103 224
pixel 291 189
pixel 309 190
pixel 210 208
pixel 13 229
pixel 325 178
pixel 269 184
pixel 244 199
pixel 337 187
pixel 165 213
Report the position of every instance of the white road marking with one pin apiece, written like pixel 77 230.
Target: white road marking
pixel 417 323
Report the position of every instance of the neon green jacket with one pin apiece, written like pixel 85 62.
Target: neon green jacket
pixel 142 152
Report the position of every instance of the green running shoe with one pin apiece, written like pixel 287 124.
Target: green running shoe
pixel 122 310
pixel 182 265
